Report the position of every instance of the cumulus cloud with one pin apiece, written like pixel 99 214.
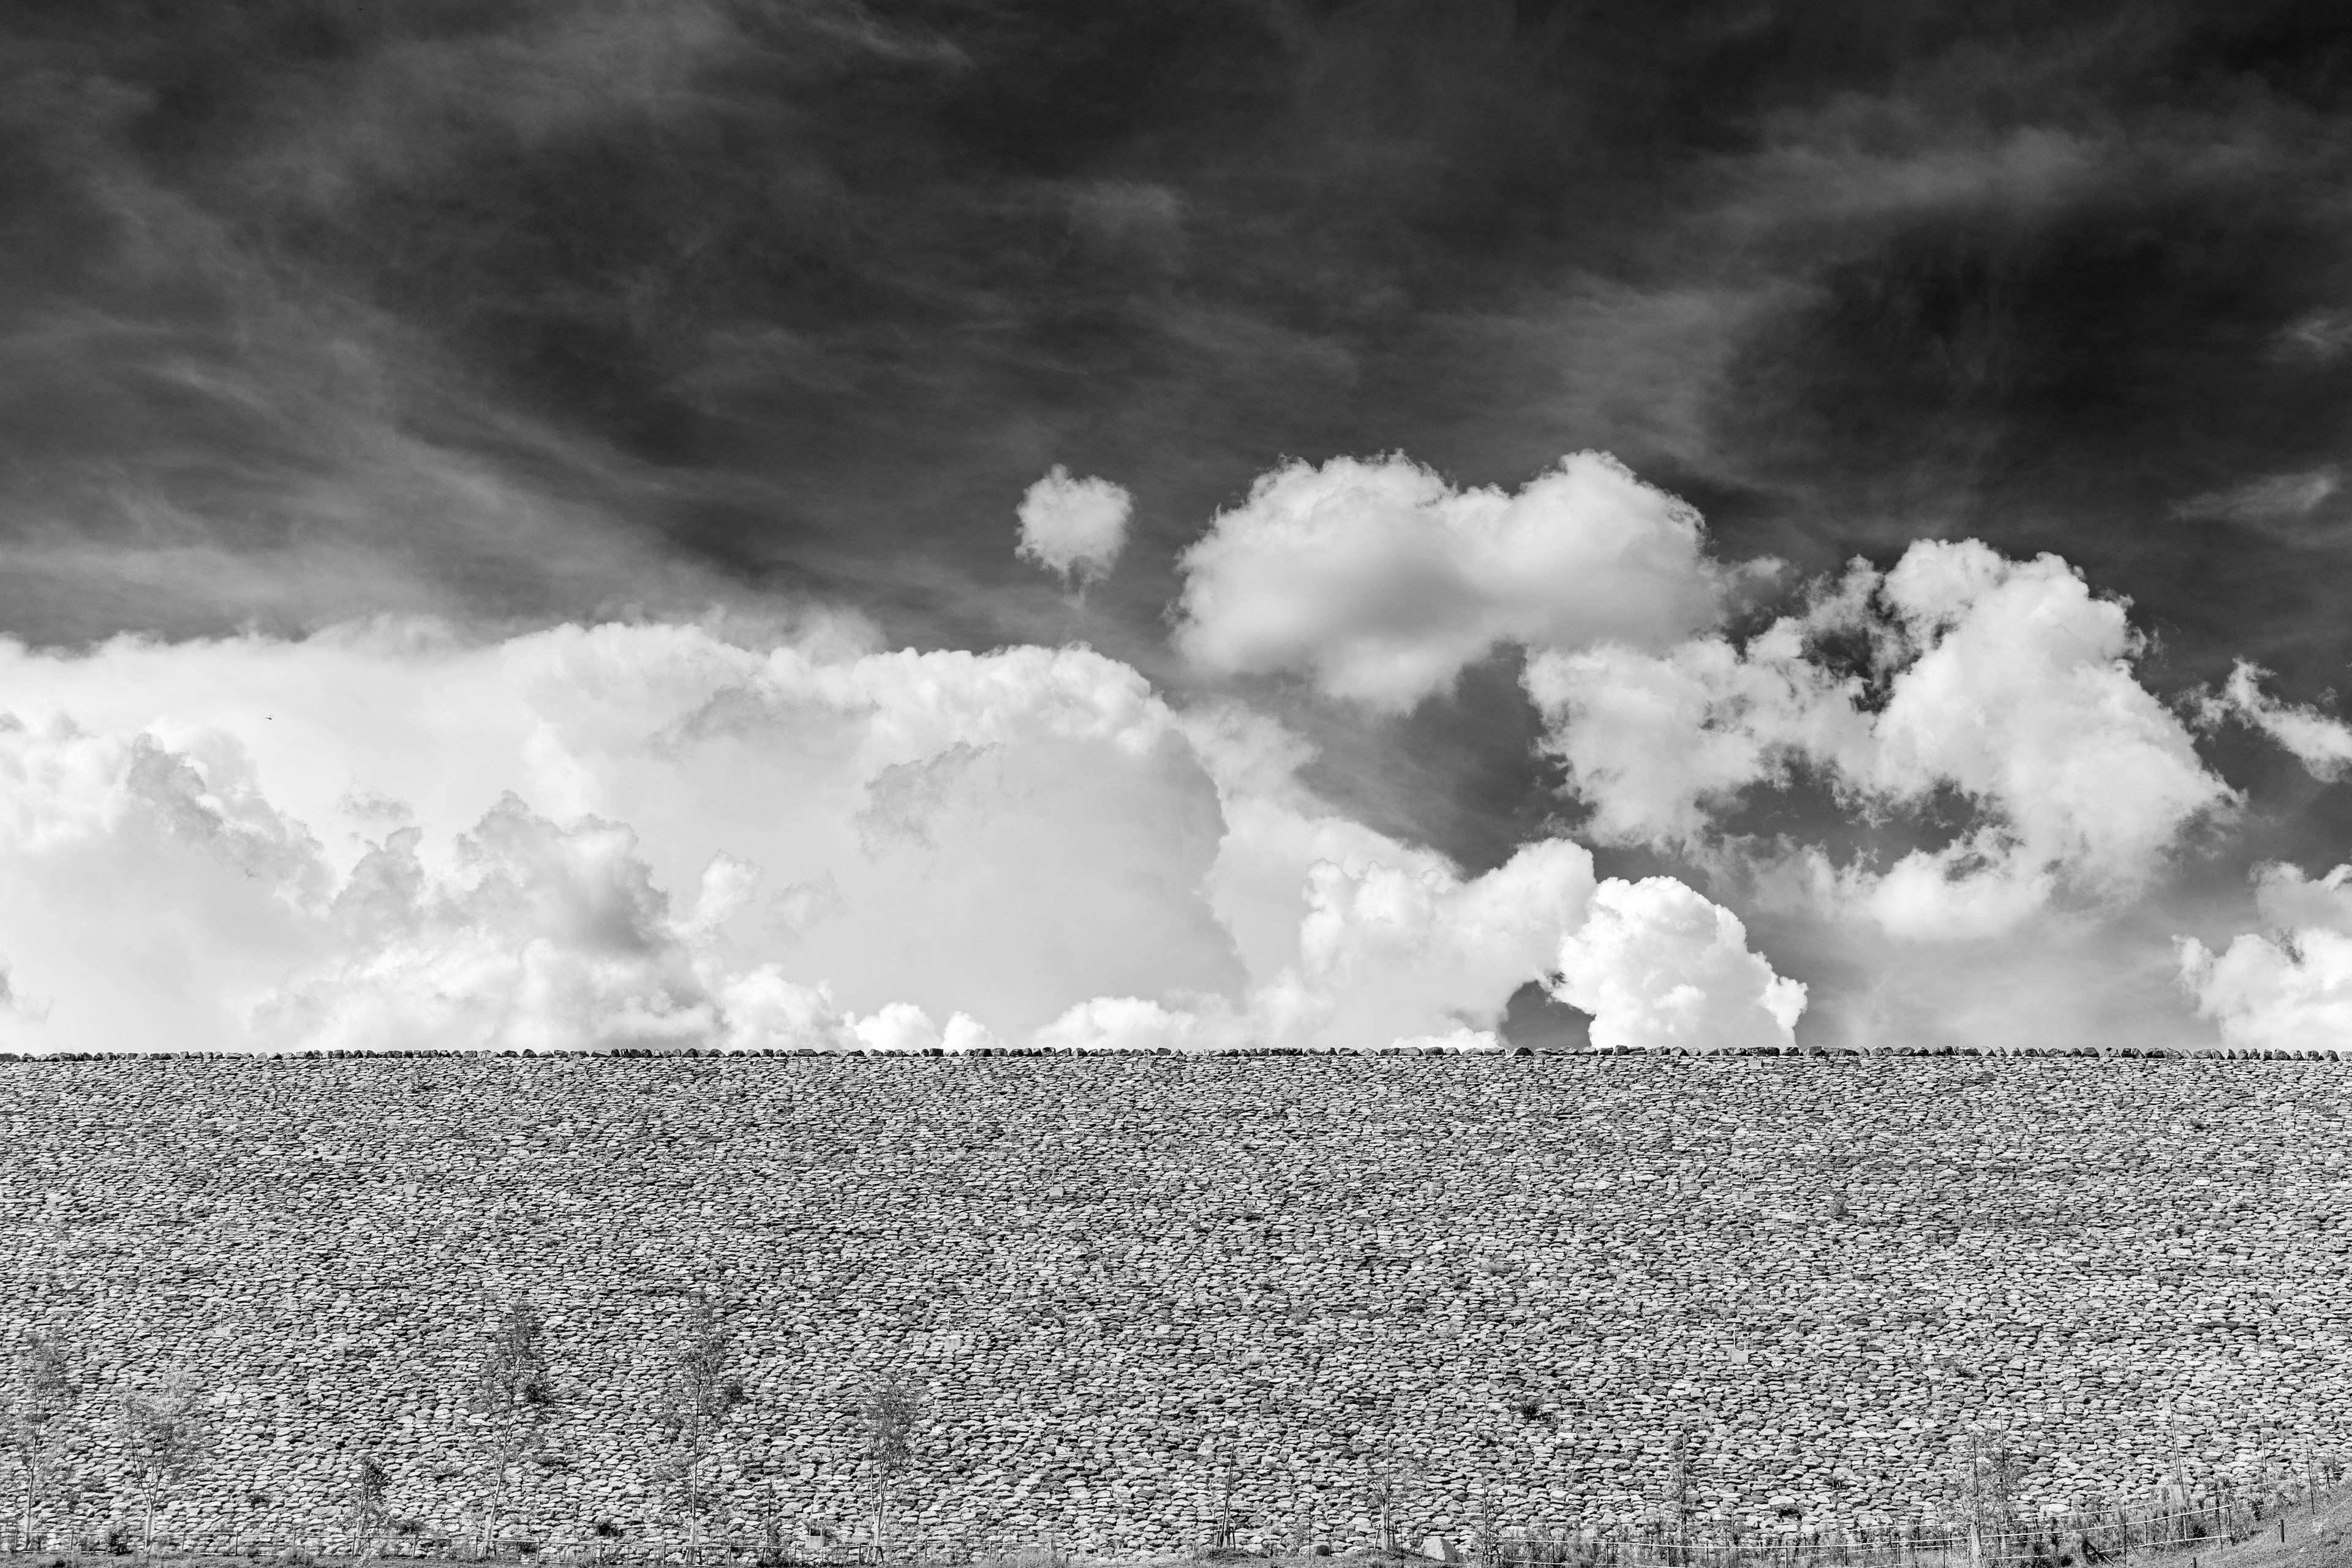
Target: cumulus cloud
pixel 1075 527
pixel 1659 967
pixel 1381 582
pixel 548 937
pixel 1422 951
pixel 1429 957
pixel 1660 744
pixel 2008 683
pixel 2322 744
pixel 589 837
pixel 2290 987
pixel 994 833
pixel 15 1005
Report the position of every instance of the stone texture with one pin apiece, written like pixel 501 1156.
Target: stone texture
pixel 1128 1280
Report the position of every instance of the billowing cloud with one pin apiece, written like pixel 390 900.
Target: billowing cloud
pixel 1385 952
pixel 2006 683
pixel 2322 744
pixel 1659 967
pixel 1381 582
pixel 1076 527
pixel 1660 745
pixel 993 834
pixel 547 938
pixel 2290 988
pixel 589 838
pixel 1388 950
pixel 1425 956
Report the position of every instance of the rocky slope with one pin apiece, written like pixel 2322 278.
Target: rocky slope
pixel 1125 1279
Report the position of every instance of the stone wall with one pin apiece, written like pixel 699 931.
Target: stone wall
pixel 1518 1275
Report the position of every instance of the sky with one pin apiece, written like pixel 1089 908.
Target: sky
pixel 577 523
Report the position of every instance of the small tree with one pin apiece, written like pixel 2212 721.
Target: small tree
pixel 1676 1495
pixel 700 1392
pixel 165 1438
pixel 887 1413
pixel 365 1500
pixel 1385 1489
pixel 1227 1478
pixel 32 1424
pixel 513 1393
pixel 1985 1489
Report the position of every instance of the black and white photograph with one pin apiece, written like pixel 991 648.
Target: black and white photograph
pixel 1143 784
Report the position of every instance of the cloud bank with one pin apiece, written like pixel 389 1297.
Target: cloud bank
pixel 765 834
pixel 390 834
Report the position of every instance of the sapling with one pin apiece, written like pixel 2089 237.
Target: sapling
pixel 700 1392
pixel 514 1393
pixel 165 1438
pixel 887 1413
pixel 369 1483
pixel 32 1425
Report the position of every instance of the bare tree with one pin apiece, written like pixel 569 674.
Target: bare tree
pixel 1676 1495
pixel 165 1438
pixel 32 1424
pixel 700 1391
pixel 1385 1488
pixel 887 1413
pixel 365 1499
pixel 1226 1478
pixel 514 1393
pixel 1986 1490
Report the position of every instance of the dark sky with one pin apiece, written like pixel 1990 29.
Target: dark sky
pixel 518 311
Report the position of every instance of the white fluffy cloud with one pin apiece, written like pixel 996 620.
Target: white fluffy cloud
pixel 1385 952
pixel 547 938
pixel 2291 988
pixel 1660 967
pixel 2008 683
pixel 990 833
pixel 1381 582
pixel 628 834
pixel 2322 744
pixel 1388 952
pixel 1660 743
pixel 1076 527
